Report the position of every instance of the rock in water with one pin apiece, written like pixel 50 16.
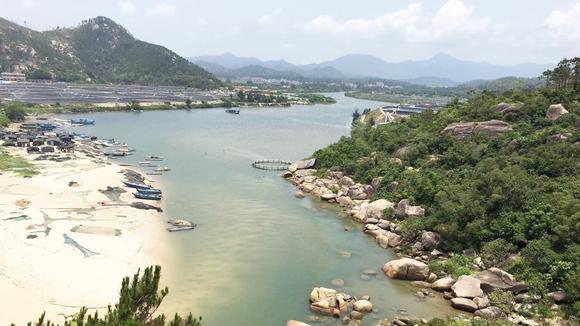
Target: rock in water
pixel 295 323
pixel 406 269
pixel 463 304
pixel 555 111
pixel 443 284
pixel 299 194
pixel 363 306
pixel 467 287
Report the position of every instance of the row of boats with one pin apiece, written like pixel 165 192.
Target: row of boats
pixel 145 191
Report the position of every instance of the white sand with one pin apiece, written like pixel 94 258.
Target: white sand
pixel 47 274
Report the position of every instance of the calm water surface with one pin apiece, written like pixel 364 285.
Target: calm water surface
pixel 258 251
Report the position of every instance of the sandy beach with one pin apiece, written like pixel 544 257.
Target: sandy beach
pixel 62 246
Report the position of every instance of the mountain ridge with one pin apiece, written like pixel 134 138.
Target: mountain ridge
pixel 97 50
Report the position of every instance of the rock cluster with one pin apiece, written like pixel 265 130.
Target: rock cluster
pixel 328 302
pixel 486 128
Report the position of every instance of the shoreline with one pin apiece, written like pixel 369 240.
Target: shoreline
pixel 41 269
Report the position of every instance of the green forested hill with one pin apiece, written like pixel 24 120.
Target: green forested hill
pixel 514 189
pixel 98 50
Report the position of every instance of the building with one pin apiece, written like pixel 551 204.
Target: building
pixel 12 77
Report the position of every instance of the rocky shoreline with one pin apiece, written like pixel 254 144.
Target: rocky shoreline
pixel 468 293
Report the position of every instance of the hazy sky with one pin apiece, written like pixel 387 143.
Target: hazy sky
pixel 306 31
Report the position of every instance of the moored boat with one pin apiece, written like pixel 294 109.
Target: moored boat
pixel 149 191
pixel 162 169
pixel 233 111
pixel 154 158
pixel 181 225
pixel 136 185
pixel 147 196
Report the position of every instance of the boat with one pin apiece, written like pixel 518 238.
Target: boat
pixel 162 169
pixel 154 158
pixel 154 173
pixel 233 111
pixel 149 191
pixel 147 196
pixel 181 225
pixel 136 185
pixel 144 163
pixel 82 121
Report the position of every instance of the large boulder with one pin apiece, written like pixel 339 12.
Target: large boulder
pixel 302 165
pixel 404 209
pixel 555 111
pixel 443 284
pixel 400 153
pixel 306 173
pixel 495 278
pixel 345 201
pixel 295 323
pixel 507 107
pixel 429 240
pixel 491 313
pixel 363 306
pixel 376 209
pixel 406 269
pixel 388 239
pixel 324 301
pixel 558 297
pixel 486 128
pixel 464 304
pixel 346 181
pixel 467 287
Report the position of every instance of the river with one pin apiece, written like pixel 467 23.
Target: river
pixel 258 251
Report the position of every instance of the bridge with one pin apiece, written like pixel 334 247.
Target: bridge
pixel 271 165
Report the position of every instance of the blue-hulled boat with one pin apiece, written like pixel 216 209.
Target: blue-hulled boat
pixel 152 191
pixel 147 196
pixel 136 185
pixel 82 121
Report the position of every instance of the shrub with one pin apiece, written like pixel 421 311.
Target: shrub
pixel 502 299
pixel 457 265
pixel 494 252
pixel 15 113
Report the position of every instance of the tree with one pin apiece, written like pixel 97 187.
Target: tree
pixel 566 75
pixel 15 113
pixel 188 103
pixel 138 302
pixel 134 105
pixel 355 116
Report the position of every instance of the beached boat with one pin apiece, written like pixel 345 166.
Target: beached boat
pixel 136 185
pixel 147 196
pixel 233 111
pixel 162 169
pixel 149 191
pixel 181 225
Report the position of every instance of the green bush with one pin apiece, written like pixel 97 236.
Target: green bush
pixel 494 252
pixel 456 266
pixel 502 299
pixel 15 113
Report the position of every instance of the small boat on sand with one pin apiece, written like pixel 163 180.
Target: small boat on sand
pixel 136 185
pixel 147 196
pixel 181 225
pixel 149 191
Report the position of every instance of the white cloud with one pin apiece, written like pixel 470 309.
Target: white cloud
pixel 564 25
pixel 162 9
pixel 271 18
pixel 453 21
pixel 127 7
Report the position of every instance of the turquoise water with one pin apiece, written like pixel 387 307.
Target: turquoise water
pixel 258 251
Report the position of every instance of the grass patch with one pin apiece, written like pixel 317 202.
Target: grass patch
pixel 16 164
pixel 457 265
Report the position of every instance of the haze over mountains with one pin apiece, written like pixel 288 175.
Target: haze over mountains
pixel 440 70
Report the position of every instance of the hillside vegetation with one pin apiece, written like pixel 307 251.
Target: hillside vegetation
pixel 510 192
pixel 98 50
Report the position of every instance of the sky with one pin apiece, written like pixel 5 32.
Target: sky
pixel 310 31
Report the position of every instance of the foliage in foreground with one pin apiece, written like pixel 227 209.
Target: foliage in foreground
pixel 138 302
pixel 16 164
pixel 517 192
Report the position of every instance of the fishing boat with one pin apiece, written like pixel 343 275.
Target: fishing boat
pixel 154 158
pixel 147 196
pixel 181 225
pixel 144 163
pixel 154 173
pixel 136 185
pixel 149 191
pixel 82 121
pixel 233 111
pixel 162 169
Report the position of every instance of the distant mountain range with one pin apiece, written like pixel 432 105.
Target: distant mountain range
pixel 97 50
pixel 440 70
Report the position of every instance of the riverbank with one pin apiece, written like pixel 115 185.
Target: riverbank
pixel 64 244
